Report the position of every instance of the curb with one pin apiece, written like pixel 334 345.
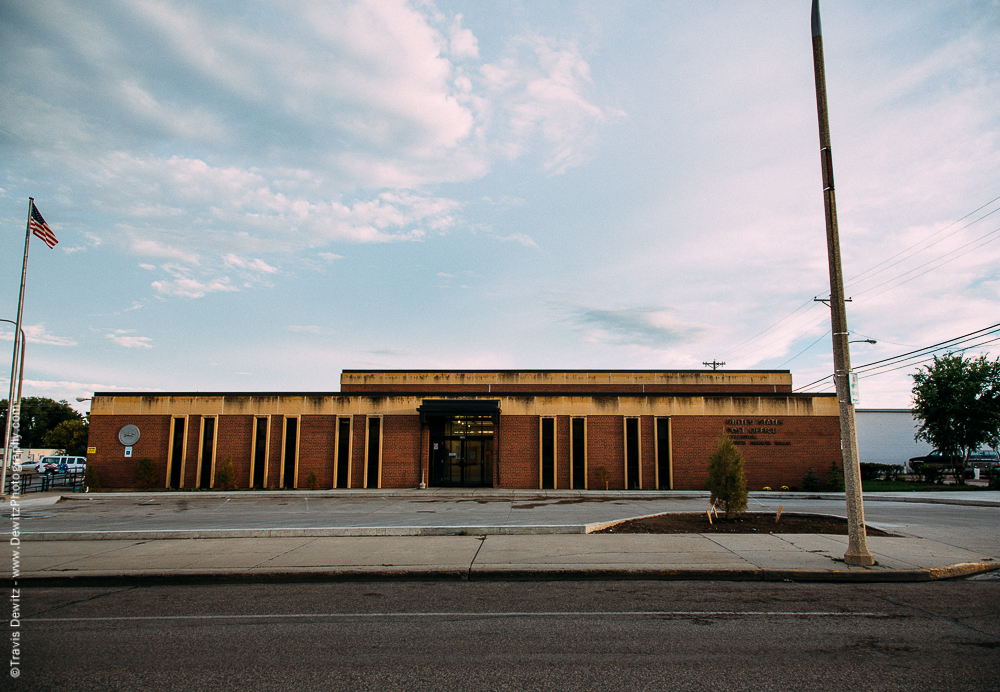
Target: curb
pixel 109 579
pixel 508 495
pixel 314 532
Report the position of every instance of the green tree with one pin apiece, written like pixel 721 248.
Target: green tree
pixel 957 400
pixel 69 436
pixel 39 416
pixel 726 481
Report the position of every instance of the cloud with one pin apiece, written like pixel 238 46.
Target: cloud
pixel 381 98
pixel 63 390
pixel 120 337
pixel 38 334
pixel 154 248
pixel 539 93
pixel 192 288
pixel 312 329
pixel 329 256
pixel 650 327
pixel 251 264
pixel 521 238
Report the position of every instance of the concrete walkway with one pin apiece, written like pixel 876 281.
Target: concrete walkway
pixel 297 536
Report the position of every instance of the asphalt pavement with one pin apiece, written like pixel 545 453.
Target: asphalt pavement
pixel 275 536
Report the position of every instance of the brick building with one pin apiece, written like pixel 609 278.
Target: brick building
pixel 504 429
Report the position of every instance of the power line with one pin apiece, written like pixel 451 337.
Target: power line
pixel 857 278
pixel 870 368
pixel 869 272
pixel 822 336
pixel 899 276
pixel 923 359
pixel 931 347
pixel 768 329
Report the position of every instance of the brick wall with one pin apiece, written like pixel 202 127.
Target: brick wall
pixel 606 448
pixel 317 435
pixel 401 451
pixel 235 439
pixel 109 462
pixel 775 454
pixel 519 451
pixel 798 444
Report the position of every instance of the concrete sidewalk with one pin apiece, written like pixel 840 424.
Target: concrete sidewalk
pixel 775 557
pixel 320 537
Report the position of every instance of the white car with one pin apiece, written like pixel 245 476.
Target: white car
pixel 31 467
pixel 63 464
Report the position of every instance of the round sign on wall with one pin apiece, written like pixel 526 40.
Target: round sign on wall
pixel 128 435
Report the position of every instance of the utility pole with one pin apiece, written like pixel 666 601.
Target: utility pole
pixel 715 365
pixel 857 545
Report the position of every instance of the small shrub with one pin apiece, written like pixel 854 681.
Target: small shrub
pixel 995 479
pixel 93 480
pixel 726 481
pixel 784 487
pixel 766 487
pixel 811 483
pixel 225 475
pixel 145 472
pixel 929 474
pixel 602 476
pixel 312 482
pixel 835 479
pixel 870 471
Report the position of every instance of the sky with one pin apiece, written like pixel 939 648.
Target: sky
pixel 256 195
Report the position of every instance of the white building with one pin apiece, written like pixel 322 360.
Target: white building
pixel 886 436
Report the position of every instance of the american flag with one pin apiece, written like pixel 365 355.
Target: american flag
pixel 41 229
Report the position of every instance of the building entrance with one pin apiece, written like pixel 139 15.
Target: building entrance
pixel 461 451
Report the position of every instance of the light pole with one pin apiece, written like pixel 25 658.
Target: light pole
pixel 11 408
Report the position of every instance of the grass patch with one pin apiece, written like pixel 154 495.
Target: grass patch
pixel 910 486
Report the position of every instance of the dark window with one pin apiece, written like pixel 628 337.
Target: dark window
pixel 579 453
pixel 374 427
pixel 291 437
pixel 632 453
pixel 177 456
pixel 260 452
pixel 343 451
pixel 207 452
pixel 663 452
pixel 548 453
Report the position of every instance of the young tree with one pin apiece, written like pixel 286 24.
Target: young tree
pixel 957 400
pixel 726 481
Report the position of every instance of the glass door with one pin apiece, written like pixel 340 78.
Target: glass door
pixel 462 452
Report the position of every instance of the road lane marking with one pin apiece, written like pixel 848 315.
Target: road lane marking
pixel 513 614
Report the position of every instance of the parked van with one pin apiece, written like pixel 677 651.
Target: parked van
pixel 63 464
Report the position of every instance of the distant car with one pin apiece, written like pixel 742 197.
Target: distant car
pixel 984 458
pixel 63 464
pixel 31 467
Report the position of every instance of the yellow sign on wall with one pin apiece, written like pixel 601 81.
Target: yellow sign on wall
pixel 91 450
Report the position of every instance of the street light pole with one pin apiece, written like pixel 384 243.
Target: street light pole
pixel 857 546
pixel 9 430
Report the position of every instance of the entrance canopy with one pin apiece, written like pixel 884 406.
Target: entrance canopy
pixel 430 408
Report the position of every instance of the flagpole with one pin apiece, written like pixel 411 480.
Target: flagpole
pixel 18 354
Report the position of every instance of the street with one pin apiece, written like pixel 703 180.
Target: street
pixel 514 636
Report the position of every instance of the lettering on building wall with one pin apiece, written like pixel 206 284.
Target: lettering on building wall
pixel 746 430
